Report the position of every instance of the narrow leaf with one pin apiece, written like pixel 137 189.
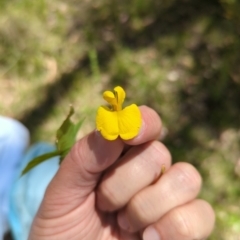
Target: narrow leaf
pixel 65 125
pixel 39 160
pixel 66 134
pixel 65 139
pixel 68 139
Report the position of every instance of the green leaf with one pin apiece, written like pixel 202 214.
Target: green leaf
pixel 65 139
pixel 66 134
pixel 65 125
pixel 34 162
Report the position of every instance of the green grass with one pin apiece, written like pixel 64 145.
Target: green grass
pixel 182 59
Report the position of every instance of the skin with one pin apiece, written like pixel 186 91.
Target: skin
pixel 114 190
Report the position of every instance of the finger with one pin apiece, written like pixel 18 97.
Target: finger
pixel 79 173
pixel 138 168
pixel 194 220
pixel 180 184
pixel 150 129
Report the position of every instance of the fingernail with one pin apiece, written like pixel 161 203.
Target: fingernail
pixel 142 128
pixel 123 222
pixel 151 233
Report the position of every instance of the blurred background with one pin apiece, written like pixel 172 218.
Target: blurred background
pixel 179 57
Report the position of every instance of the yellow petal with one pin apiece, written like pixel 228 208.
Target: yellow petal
pixel 120 95
pixel 129 122
pixel 110 97
pixel 107 123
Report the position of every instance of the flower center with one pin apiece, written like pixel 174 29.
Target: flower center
pixel 118 106
pixel 115 98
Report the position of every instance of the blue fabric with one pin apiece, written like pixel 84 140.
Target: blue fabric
pixel 28 190
pixel 14 139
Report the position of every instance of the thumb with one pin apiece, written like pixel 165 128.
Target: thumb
pixel 79 173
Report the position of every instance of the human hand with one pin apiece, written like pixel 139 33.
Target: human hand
pixel 112 190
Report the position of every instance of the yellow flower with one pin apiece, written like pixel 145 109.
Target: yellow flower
pixel 115 121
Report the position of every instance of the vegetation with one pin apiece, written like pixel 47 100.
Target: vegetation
pixel 179 57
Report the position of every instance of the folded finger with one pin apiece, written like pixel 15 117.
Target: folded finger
pixel 179 185
pixel 194 220
pixel 137 169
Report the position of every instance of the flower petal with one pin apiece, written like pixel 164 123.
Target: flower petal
pixel 129 122
pixel 110 97
pixel 120 94
pixel 107 123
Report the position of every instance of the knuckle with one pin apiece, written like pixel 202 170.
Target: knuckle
pixel 157 155
pixel 188 176
pixel 181 224
pixel 110 199
pixel 141 208
pixel 161 150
